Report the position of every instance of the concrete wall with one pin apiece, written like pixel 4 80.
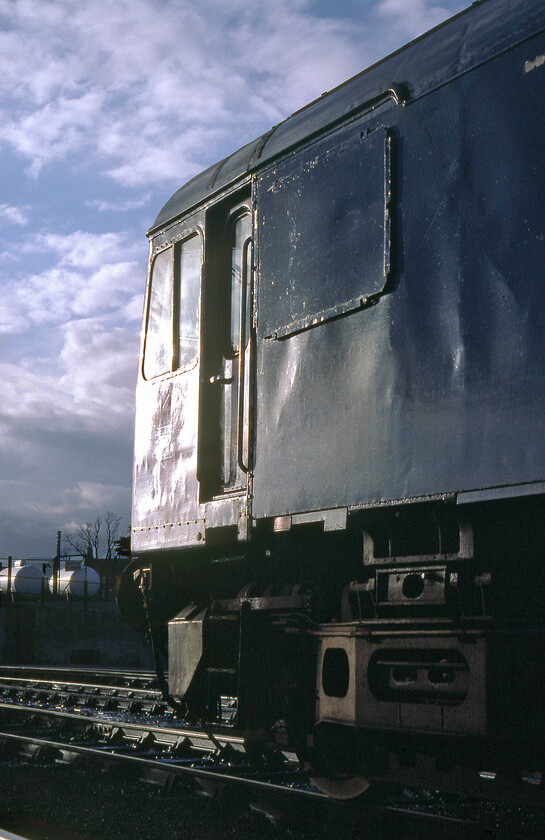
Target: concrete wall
pixel 69 633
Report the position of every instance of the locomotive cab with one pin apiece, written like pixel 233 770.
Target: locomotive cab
pixel 192 435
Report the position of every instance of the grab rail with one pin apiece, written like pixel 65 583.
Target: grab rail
pixel 242 357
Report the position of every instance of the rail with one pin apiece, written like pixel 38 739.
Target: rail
pixel 168 750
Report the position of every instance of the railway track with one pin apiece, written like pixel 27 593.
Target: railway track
pixel 156 753
pixel 109 690
pixel 116 719
pixel 71 715
pixel 7 835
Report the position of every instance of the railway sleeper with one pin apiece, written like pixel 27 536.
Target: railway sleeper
pixel 163 779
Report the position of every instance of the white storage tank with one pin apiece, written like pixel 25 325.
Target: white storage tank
pixel 77 583
pixel 26 581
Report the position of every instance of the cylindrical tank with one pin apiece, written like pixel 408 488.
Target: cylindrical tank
pixel 26 581
pixel 77 583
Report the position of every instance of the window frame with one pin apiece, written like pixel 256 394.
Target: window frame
pixel 176 307
pixel 176 246
pixel 281 314
pixel 239 211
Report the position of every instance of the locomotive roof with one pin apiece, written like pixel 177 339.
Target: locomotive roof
pixel 478 33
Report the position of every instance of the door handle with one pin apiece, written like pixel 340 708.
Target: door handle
pixel 220 379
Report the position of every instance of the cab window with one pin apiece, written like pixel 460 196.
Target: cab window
pixel 158 349
pixel 172 329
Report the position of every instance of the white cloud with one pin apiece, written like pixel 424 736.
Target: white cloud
pixel 85 498
pixel 90 299
pixel 99 370
pixel 54 130
pixel 150 90
pixel 104 206
pixel 68 375
pixel 14 215
pixel 82 249
pixel 412 18
pixel 91 274
pixel 92 387
pixel 95 495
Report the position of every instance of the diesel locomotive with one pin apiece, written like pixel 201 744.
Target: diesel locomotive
pixel 339 473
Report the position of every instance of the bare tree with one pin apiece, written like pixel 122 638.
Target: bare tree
pixel 92 538
pixel 112 524
pixel 79 542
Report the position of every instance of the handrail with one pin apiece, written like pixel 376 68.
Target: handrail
pixel 242 357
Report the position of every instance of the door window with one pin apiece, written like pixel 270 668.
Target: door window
pixel 190 301
pixel 240 274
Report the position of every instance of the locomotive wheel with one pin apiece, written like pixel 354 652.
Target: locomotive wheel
pixel 336 762
pixel 341 787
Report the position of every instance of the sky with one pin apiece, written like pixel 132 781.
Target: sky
pixel 106 108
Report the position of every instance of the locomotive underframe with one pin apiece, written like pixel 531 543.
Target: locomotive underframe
pixel 369 664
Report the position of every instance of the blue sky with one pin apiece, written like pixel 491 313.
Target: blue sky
pixel 107 107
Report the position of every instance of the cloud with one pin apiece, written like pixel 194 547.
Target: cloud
pixel 66 438
pixel 82 249
pixel 90 274
pixel 91 388
pixel 150 91
pixel 91 496
pixel 68 375
pixel 104 206
pixel 51 132
pixel 410 19
pixel 100 370
pixel 67 507
pixel 84 497
pixel 14 215
pixel 86 306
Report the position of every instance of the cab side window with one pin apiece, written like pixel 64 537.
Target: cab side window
pixel 158 348
pixel 172 328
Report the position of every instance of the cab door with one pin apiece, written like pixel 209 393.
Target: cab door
pixel 225 451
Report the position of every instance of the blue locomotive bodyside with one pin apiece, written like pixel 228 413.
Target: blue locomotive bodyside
pixel 396 296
